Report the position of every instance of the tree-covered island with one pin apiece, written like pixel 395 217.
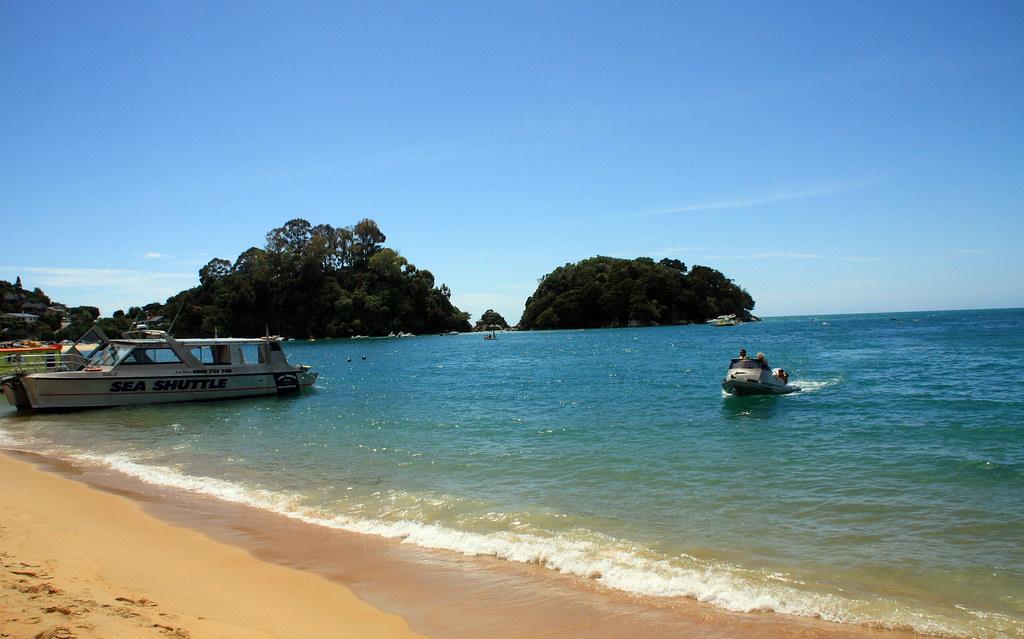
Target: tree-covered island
pixel 491 320
pixel 607 292
pixel 313 281
pixel 325 281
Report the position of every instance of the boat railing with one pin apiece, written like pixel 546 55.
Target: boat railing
pixel 39 363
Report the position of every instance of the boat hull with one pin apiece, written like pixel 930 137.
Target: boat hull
pixel 42 391
pixel 756 387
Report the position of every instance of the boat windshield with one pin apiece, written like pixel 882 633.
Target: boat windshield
pixel 745 363
pixel 108 355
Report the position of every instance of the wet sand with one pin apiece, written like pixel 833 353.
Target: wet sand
pixel 112 556
pixel 76 562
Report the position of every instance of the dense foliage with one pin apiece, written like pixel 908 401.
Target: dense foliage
pixel 314 281
pixel 603 292
pixel 490 320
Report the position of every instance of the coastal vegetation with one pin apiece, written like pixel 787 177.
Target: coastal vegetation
pixel 605 292
pixel 325 281
pixel 314 281
pixel 490 320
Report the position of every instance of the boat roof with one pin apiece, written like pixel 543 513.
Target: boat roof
pixel 197 341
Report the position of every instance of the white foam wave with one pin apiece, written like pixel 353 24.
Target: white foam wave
pixel 611 562
pixel 7 440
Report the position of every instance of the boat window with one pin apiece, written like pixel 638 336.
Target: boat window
pixel 252 353
pixel 204 354
pixel 745 363
pixel 219 354
pixel 151 356
pixel 222 354
pixel 108 355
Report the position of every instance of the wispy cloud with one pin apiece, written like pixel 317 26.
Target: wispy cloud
pixel 152 255
pixel 794 255
pixel 109 289
pixel 98 277
pixel 769 255
pixel 771 197
pixel 857 258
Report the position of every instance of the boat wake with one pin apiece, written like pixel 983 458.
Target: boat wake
pixel 812 386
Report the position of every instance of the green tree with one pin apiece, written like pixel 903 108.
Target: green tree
pixel 490 320
pixel 318 281
pixel 608 292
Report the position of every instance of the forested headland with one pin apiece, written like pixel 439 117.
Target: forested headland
pixel 325 281
pixel 312 281
pixel 607 292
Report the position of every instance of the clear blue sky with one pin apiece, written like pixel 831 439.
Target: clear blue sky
pixel 829 157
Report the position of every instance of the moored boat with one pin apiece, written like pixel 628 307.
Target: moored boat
pixel 725 320
pixel 752 377
pixel 152 367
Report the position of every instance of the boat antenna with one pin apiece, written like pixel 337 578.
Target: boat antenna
pixel 180 306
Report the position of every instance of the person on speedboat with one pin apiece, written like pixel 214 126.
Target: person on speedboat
pixel 743 353
pixel 783 375
pixel 762 360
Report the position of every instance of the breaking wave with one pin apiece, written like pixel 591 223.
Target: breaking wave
pixel 614 563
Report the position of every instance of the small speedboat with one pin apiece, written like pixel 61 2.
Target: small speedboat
pixel 751 377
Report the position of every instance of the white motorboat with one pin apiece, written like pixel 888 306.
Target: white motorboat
pixel 152 367
pixel 751 377
pixel 725 320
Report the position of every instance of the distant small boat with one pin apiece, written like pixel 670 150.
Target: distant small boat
pixel 751 377
pixel 725 320
pixel 491 336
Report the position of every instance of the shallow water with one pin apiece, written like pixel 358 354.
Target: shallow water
pixel 889 491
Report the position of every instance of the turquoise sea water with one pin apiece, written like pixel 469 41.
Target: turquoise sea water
pixel 890 491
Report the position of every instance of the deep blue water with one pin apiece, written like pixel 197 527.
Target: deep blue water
pixel 890 490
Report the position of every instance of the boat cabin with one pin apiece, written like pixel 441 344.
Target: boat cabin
pixel 747 363
pixel 190 353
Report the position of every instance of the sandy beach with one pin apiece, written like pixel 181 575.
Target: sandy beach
pixel 89 555
pixel 82 563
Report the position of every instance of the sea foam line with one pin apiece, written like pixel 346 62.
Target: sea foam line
pixel 613 563
pixel 7 440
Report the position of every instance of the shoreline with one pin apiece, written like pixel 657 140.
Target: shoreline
pixel 80 562
pixel 393 589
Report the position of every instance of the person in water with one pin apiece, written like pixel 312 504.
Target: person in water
pixel 743 353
